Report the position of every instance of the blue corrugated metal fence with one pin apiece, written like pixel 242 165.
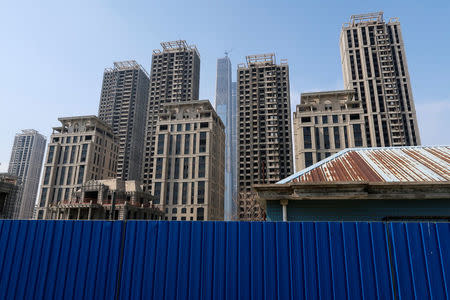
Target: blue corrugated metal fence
pixel 223 260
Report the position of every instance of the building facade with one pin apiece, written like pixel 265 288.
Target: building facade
pixel 175 76
pixel 81 149
pixel 108 199
pixel 123 105
pixel 264 141
pixel 224 108
pixel 9 195
pixel 326 123
pixel 26 163
pixel 365 184
pixel 374 64
pixel 189 177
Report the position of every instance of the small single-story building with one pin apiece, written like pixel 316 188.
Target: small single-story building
pixel 365 184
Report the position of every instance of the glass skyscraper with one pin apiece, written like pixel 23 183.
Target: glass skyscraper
pixel 226 110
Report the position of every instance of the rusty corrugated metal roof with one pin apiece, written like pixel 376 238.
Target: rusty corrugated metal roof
pixel 393 164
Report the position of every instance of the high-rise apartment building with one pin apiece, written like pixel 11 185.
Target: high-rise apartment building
pixel 326 123
pixel 234 151
pixel 374 65
pixel 188 181
pixel 9 195
pixel 123 105
pixel 224 108
pixel 175 76
pixel 265 141
pixel 81 149
pixel 26 163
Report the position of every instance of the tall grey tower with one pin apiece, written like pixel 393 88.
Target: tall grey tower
pixel 175 76
pixel 374 65
pixel 26 163
pixel 265 139
pixel 123 105
pixel 224 108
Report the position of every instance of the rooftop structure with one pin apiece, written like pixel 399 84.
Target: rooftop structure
pixel 108 199
pixel 370 184
pixel 394 164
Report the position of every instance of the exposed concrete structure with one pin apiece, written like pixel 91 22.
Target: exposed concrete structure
pixel 188 181
pixel 234 152
pixel 175 77
pixel 9 195
pixel 123 106
pixel 374 64
pixel 81 149
pixel 109 199
pixel 371 184
pixel 226 110
pixel 326 123
pixel 26 163
pixel 265 141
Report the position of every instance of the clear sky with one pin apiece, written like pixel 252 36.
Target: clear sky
pixel 53 53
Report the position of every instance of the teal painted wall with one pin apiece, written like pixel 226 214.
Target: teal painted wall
pixel 356 210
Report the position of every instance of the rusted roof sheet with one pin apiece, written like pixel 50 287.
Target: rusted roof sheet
pixel 393 164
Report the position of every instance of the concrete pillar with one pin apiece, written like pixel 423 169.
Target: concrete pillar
pixel 79 212
pixel 284 204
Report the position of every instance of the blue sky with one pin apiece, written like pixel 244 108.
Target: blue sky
pixel 54 52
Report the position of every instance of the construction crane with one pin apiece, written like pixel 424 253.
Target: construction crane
pixel 228 52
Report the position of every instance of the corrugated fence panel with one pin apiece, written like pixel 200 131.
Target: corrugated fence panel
pixel 223 260
pixel 59 259
pixel 422 259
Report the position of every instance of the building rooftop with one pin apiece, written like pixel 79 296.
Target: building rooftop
pixel 175 46
pixel 126 65
pixel 390 164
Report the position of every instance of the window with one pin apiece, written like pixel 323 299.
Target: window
pixel 202 142
pixel 159 166
pixel 335 119
pixel 354 117
pixel 43 197
pixel 200 214
pixel 169 167
pixel 185 168
pixel 204 125
pixel 66 194
pixel 88 137
pixel 187 138
pixel 157 192
pixel 345 137
pixel 307 137
pixel 316 131
pixel 68 140
pixel 324 119
pixel 51 152
pixel 167 192
pixel 66 154
pixel 170 144
pixel 72 154
pixel 306 119
pixel 163 127
pixel 176 174
pixel 175 193
pixel 192 194
pixel 160 149
pixel 357 135
pixel 61 177
pixel 83 153
pixel 69 176
pixel 184 194
pixel 337 138
pixel 188 126
pixel 178 127
pixel 194 143
pixel 201 166
pixel 326 138
pixel 80 175
pixel 193 167
pixel 308 159
pixel 178 144
pixel 201 192
pixel 47 175
pixel 75 139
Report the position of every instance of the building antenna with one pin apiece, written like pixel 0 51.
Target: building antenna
pixel 228 52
